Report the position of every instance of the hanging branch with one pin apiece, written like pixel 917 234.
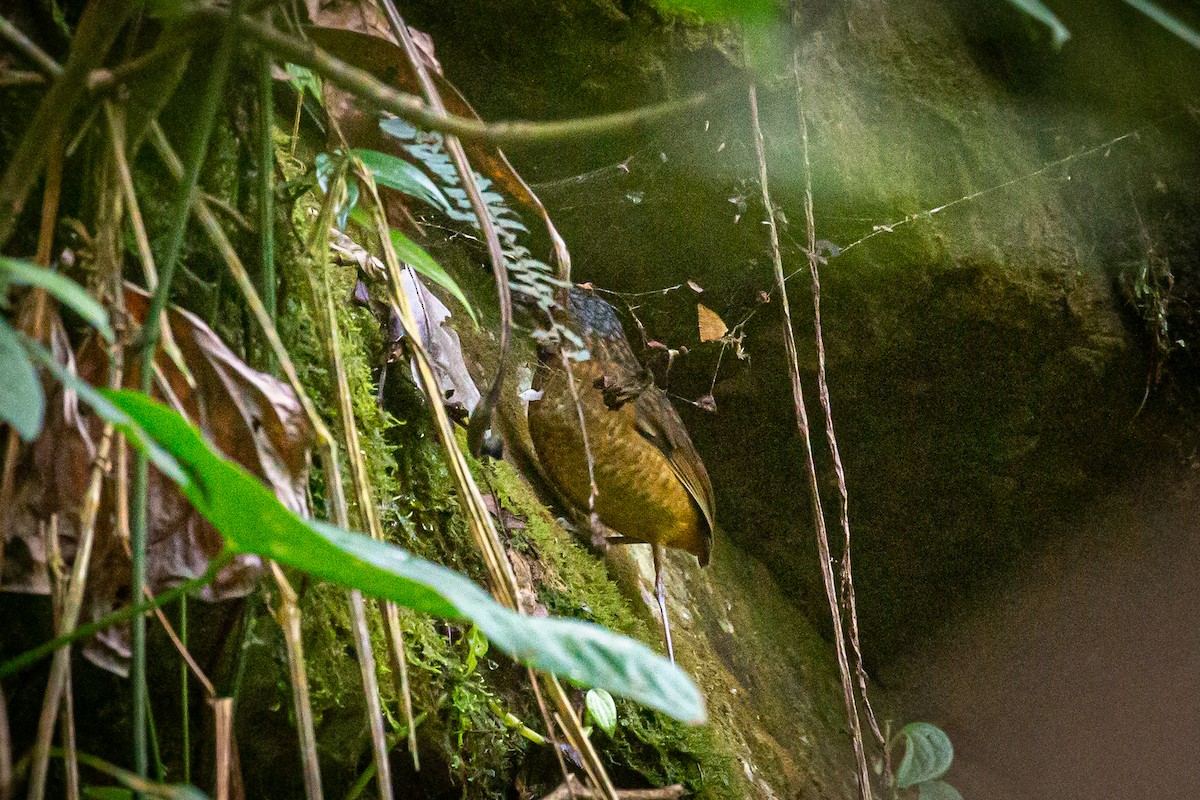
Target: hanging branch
pixel 789 342
pixel 834 452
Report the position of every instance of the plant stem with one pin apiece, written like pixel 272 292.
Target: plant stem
pixel 481 417
pixel 266 193
pixel 184 700
pixel 835 454
pixel 214 92
pixel 72 604
pixel 376 93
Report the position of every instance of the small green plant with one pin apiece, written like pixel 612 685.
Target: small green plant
pixel 928 754
pixel 602 710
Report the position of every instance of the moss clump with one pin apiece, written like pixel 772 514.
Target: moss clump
pixel 570 580
pixel 647 747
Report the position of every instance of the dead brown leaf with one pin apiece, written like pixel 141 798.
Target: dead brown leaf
pixel 712 327
pixel 253 418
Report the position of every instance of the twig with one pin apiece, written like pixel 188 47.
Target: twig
pixel 504 582
pixel 72 605
pixel 6 765
pixel 37 327
pixel 223 726
pixel 827 407
pixel 185 700
pixel 322 305
pixel 287 616
pixel 67 718
pixel 209 106
pixel 36 654
pixel 545 712
pixel 13 35
pixel 593 489
pixel 178 641
pixel 60 678
pixel 367 509
pixel 366 87
pixel 789 341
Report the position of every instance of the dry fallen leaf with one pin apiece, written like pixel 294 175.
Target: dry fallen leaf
pixel 712 327
pixel 253 418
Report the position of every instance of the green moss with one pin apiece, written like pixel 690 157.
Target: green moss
pixel 458 732
pixel 572 581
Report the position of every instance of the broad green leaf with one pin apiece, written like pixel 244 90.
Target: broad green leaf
pixel 927 754
pixel 415 256
pixel 252 520
pixel 603 710
pixel 398 174
pixel 1042 13
pixel 23 273
pixel 21 402
pixel 937 790
pixel 1167 20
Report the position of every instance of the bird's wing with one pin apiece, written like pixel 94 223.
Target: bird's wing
pixel 660 424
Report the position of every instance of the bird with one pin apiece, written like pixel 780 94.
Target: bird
pixel 651 485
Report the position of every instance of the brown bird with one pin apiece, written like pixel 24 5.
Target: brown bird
pixel 651 485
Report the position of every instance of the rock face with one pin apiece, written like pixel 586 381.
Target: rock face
pixel 987 201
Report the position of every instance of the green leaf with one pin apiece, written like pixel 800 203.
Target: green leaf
pixel 937 790
pixel 477 647
pixel 21 402
pixel 1168 21
pixel 415 256
pixel 252 520
pixel 1042 13
pixel 328 171
pixel 398 174
pixel 927 755
pixel 304 81
pixel 603 710
pixel 23 273
pixel 136 435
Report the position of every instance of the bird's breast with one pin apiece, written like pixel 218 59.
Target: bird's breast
pixel 638 493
